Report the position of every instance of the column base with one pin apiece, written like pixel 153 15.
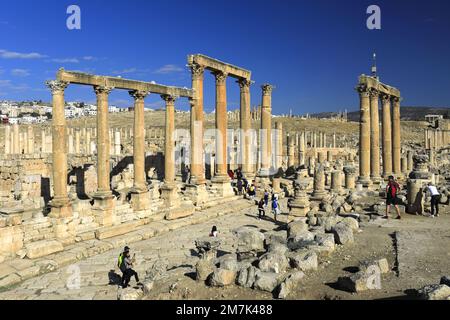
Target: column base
pixel 222 184
pixel 169 193
pixel 103 209
pixel 376 179
pixel 197 193
pixel 64 230
pixel 365 181
pixel 299 207
pixel 140 200
pixel 60 208
pixel 318 195
pixel 194 180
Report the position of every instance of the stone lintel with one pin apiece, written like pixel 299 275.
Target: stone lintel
pixel 120 83
pixel 372 83
pixel 217 65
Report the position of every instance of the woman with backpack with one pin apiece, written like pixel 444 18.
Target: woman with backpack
pixel 392 189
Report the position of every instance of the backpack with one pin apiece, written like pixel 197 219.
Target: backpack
pixel 274 204
pixel 393 187
pixel 120 261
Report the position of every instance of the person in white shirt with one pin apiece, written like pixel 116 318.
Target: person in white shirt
pixel 434 199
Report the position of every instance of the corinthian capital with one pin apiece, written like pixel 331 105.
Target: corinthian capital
pixel 267 89
pixel 138 94
pixel 168 98
pixel 363 91
pixel 244 83
pixel 374 93
pixel 385 98
pixel 57 86
pixel 102 89
pixel 197 70
pixel 396 99
pixel 221 77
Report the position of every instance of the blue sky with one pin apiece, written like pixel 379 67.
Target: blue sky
pixel 312 51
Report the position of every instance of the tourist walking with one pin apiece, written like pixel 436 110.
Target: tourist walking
pixel 239 186
pixel 276 210
pixel 126 266
pixel 392 189
pixel 435 198
pixel 261 209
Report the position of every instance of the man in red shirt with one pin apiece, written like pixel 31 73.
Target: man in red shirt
pixel 392 189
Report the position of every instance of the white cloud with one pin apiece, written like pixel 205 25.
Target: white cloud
pixel 125 71
pixel 169 68
pixel 66 60
pixel 5 83
pixel 89 58
pixel 5 54
pixel 20 72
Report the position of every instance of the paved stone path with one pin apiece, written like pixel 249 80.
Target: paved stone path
pixel 176 247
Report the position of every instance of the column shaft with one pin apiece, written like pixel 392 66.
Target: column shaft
pixel 103 154
pixel 139 141
pixel 221 124
pixel 364 136
pixel 244 85
pixel 374 136
pixel 169 146
pixel 396 140
pixel 387 136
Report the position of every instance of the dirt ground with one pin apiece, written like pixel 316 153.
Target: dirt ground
pixel 423 258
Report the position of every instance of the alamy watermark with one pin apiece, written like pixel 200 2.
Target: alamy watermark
pixel 73 22
pixel 374 20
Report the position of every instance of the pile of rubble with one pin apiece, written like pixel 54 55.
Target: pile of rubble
pixel 274 261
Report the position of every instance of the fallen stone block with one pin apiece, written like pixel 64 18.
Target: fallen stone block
pixel 289 284
pixel 379 264
pixel 275 237
pixel 360 281
pixel 129 294
pixel 43 248
pixel 266 281
pixel 273 262
pixel 296 227
pixel 249 239
pixel 109 232
pixel 222 278
pixel 300 240
pixel 351 222
pixel 147 287
pixel 343 233
pixel 247 276
pixel 9 280
pixel 204 268
pixel 445 280
pixel 304 260
pixel 435 292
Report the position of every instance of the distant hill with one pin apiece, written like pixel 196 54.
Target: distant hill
pixel 407 113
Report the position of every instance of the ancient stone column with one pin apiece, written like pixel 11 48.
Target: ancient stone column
pixel 336 183
pixel 77 141
pixel 300 205
pixel 70 144
pixel 387 135
pixel 349 177
pixel 364 136
pixel 60 203
pixel 319 183
pixel 7 139
pixel 117 149
pixel 410 163
pixel 396 140
pixel 329 156
pixel 43 142
pixel 279 146
pixel 374 137
pixel 245 123
pixel 334 139
pixel 291 157
pixel 321 157
pixel 302 149
pixel 197 164
pixel 221 125
pixel 266 129
pixel 87 143
pixel 16 145
pixel 404 164
pixel 30 140
pixel 140 184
